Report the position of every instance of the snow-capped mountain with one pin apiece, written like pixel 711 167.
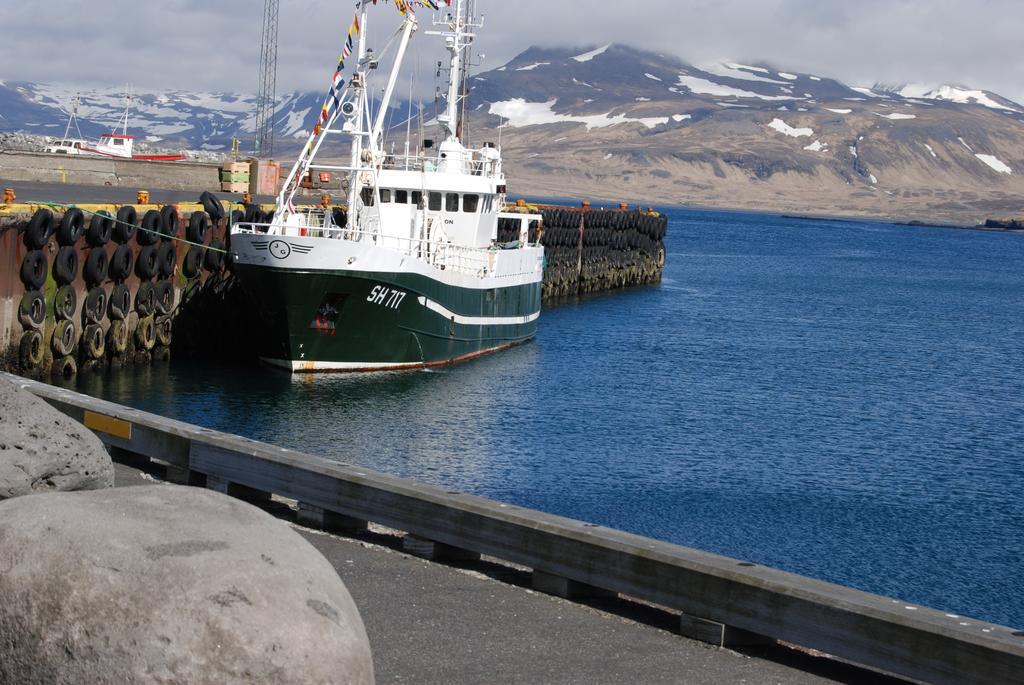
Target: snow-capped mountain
pixel 617 122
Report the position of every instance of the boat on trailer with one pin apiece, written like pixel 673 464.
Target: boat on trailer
pixel 416 272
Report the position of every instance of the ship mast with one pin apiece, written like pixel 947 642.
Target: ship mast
pixel 458 38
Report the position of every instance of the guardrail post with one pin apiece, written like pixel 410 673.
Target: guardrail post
pixel 315 517
pixel 719 634
pixel 236 490
pixel 436 551
pixel 565 588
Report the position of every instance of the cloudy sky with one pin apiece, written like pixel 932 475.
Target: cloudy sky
pixel 214 45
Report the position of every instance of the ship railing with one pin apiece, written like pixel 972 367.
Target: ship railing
pixel 474 167
pixel 444 255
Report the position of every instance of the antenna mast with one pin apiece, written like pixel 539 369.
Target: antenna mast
pixel 265 99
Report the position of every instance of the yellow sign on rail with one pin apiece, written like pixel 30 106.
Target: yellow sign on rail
pixel 109 425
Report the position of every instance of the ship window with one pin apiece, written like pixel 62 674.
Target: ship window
pixel 118 141
pixel 435 202
pixel 451 202
pixel 385 195
pixel 470 203
pixel 402 197
pixel 367 196
pixel 62 152
pixel 78 145
pixel 417 198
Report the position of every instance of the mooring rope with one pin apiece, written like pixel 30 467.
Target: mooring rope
pixel 140 228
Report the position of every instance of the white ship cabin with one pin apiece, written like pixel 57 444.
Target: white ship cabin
pixel 116 145
pixel 68 146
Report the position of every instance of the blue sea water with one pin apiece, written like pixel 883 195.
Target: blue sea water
pixel 841 400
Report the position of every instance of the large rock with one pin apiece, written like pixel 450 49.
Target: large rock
pixel 42 449
pixel 168 584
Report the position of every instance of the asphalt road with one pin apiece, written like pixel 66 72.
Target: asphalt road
pixel 480 623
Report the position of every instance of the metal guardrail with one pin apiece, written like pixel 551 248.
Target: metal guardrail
pixel 877 632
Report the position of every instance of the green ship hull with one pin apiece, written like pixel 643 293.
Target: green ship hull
pixel 319 320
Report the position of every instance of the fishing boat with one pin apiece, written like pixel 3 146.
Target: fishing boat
pixel 415 272
pixel 117 145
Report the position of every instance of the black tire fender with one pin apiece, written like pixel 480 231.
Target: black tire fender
pixel 32 310
pixel 193 262
pixel 65 368
pixel 151 228
pixel 125 226
pixel 117 336
pixel 95 306
pixel 144 299
pixel 71 226
pixel 146 263
pixel 121 264
pixel 214 259
pixel 94 341
pixel 95 270
pixel 164 330
pixel 31 350
pixel 166 260
pixel 163 297
pixel 39 229
pixel 145 333
pixel 198 227
pixel 100 227
pixel 169 222
pixel 119 304
pixel 65 265
pixel 212 205
pixel 64 338
pixel 33 270
pixel 65 303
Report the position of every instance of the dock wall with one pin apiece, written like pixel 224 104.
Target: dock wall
pixel 100 171
pixel 716 594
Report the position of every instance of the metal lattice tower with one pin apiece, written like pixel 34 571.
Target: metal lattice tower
pixel 265 100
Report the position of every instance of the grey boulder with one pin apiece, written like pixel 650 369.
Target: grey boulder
pixel 168 584
pixel 41 449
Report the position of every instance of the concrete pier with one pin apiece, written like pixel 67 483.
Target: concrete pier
pixel 724 601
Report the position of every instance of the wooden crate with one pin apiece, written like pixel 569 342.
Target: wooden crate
pixel 234 176
pixel 236 167
pixel 229 187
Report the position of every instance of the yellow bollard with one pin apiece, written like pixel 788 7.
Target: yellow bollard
pixel 9 196
pixel 142 197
